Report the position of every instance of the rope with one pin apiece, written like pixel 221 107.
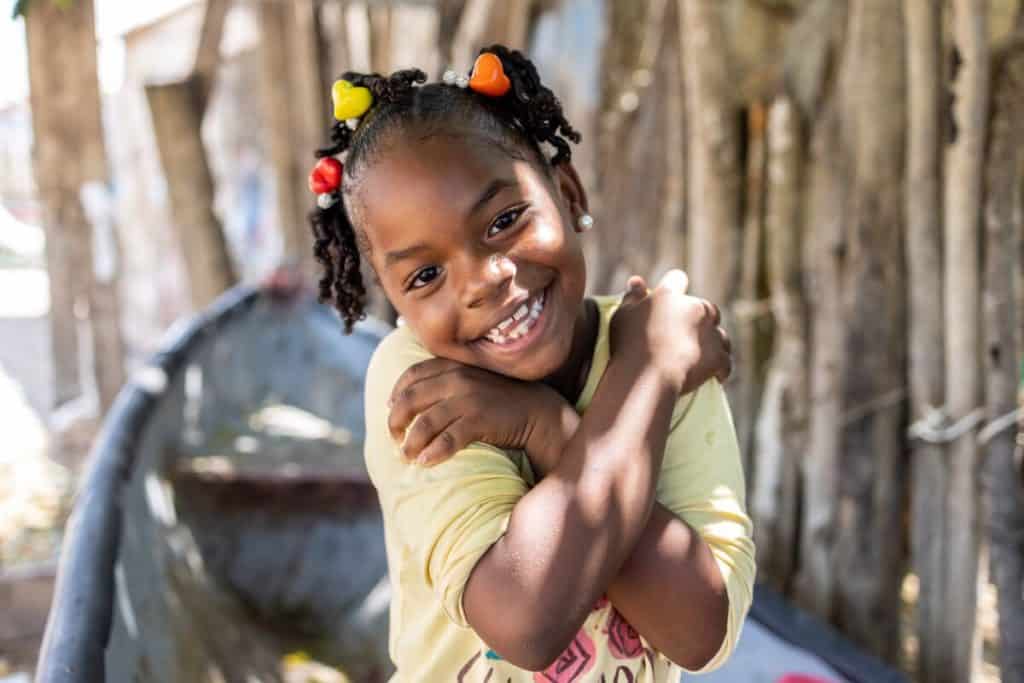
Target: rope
pixel 876 404
pixel 999 425
pixel 935 427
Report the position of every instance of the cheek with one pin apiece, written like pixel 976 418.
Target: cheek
pixel 433 320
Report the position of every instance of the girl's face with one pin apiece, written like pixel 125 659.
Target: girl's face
pixel 476 251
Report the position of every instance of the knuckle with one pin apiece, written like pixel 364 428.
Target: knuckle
pixel 448 440
pixel 424 423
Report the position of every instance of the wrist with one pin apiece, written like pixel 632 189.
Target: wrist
pixel 645 367
pixel 554 425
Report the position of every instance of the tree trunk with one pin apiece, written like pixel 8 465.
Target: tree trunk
pixel 782 425
pixel 69 155
pixel 962 305
pixel 824 260
pixel 869 526
pixel 926 355
pixel 713 147
pixel 176 125
pixel 1004 487
pixel 311 104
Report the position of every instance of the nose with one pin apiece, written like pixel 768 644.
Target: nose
pixel 490 277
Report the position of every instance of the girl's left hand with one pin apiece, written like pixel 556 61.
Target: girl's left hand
pixel 439 407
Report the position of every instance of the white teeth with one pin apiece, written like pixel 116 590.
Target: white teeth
pixel 523 319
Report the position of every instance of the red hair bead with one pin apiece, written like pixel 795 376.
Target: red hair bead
pixel 325 176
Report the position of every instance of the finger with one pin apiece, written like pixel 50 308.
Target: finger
pixel 675 279
pixel 410 402
pixel 716 313
pixel 726 370
pixel 726 341
pixel 427 425
pixel 421 371
pixel 447 443
pixel 636 289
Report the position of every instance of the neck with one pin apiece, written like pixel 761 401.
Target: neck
pixel 570 379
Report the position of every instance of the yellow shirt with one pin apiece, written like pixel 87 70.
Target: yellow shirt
pixel 439 521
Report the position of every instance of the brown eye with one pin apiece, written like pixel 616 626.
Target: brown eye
pixel 505 220
pixel 424 277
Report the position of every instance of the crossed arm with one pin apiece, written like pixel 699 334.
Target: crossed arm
pixel 590 526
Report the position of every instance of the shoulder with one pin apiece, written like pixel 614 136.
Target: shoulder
pixel 395 354
pixel 607 304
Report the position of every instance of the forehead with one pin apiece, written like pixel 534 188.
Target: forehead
pixel 421 185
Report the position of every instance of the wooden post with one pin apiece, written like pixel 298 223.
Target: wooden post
pixel 926 344
pixel 177 111
pixel 814 84
pixel 824 258
pixel 1005 489
pixel 869 525
pixel 70 154
pixel 278 109
pixel 964 172
pixel 313 116
pixel 751 320
pixel 176 124
pixel 782 424
pixel 713 149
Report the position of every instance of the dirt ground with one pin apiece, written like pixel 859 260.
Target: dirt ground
pixel 34 487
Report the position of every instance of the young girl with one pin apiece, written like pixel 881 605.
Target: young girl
pixel 561 488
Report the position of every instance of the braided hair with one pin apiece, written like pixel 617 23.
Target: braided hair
pixel 528 115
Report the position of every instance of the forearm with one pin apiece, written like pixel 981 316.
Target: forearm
pixel 571 533
pixel 669 588
pixel 671 591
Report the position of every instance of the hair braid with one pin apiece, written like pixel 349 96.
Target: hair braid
pixel 534 107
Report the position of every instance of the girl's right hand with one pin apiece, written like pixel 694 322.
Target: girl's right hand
pixel 679 335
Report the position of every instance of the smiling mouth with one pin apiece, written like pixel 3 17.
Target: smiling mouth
pixel 520 323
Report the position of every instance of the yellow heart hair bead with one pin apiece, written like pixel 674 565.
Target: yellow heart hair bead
pixel 350 102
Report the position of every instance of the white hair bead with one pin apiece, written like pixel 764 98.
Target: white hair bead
pixel 326 200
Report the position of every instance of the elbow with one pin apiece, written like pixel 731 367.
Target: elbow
pixel 535 647
pixel 697 651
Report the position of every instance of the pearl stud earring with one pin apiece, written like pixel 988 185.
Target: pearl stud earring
pixel 585 222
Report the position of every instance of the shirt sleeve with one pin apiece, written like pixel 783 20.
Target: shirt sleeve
pixel 447 516
pixel 702 483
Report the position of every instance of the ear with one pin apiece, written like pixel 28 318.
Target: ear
pixel 567 180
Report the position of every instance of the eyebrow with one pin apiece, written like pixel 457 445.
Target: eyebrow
pixel 393 257
pixel 492 189
pixel 495 186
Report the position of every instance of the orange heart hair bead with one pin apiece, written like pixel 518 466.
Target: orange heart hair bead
pixel 489 77
pixel 325 176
